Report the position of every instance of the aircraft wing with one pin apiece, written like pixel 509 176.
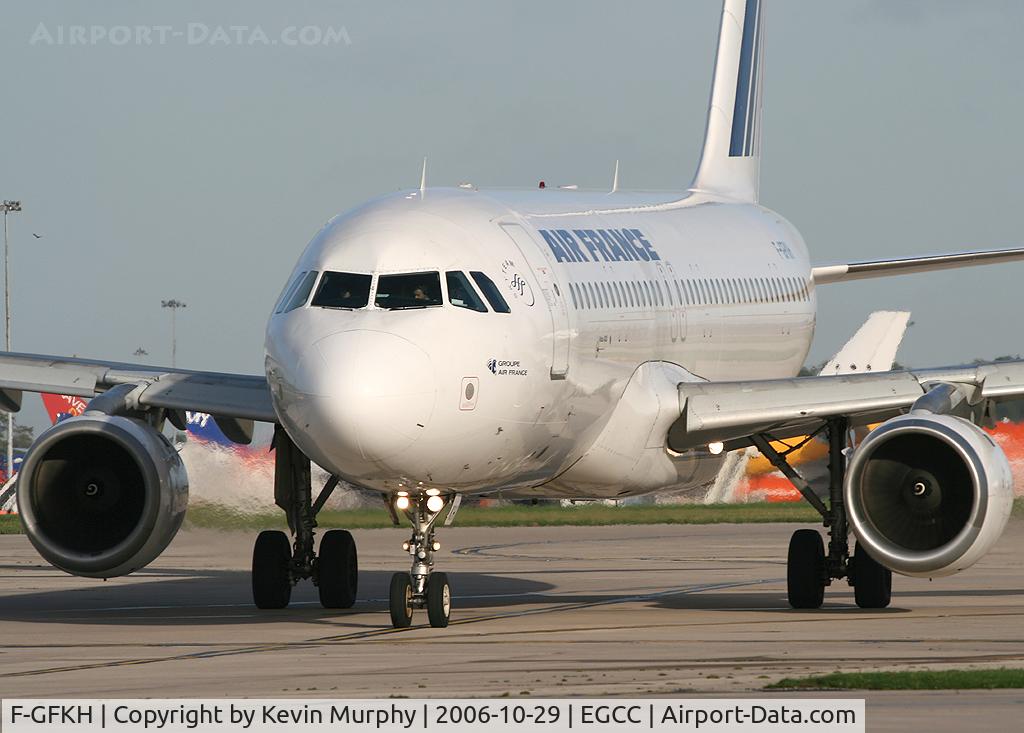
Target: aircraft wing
pixel 229 397
pixel 825 274
pixel 731 412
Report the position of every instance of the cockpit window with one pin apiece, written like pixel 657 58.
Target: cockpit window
pixel 301 293
pixel 461 293
pixel 286 294
pixel 491 292
pixel 415 290
pixel 343 290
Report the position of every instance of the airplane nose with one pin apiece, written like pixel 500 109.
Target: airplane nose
pixel 375 393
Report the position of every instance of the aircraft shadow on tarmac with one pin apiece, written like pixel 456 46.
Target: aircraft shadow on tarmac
pixel 168 596
pixel 171 596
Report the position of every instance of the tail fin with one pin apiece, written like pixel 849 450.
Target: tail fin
pixel 61 406
pixel 731 161
pixel 873 348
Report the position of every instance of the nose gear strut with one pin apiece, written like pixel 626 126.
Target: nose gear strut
pixel 421 587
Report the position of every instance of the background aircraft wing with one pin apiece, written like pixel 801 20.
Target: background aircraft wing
pixel 731 412
pixel 230 398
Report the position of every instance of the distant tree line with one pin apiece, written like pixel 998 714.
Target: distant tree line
pixel 23 434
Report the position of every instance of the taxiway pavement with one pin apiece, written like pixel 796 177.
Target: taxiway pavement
pixel 560 611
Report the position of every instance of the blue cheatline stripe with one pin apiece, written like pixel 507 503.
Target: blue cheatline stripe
pixel 745 89
pixel 755 70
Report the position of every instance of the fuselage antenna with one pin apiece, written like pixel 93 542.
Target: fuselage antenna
pixel 423 177
pixel 615 178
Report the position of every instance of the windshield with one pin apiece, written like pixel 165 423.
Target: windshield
pixel 415 290
pixel 343 290
pixel 490 291
pixel 287 292
pixel 461 293
pixel 301 292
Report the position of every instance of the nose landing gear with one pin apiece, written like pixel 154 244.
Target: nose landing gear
pixel 421 587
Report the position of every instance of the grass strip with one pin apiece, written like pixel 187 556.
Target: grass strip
pixel 213 516
pixel 943 679
pixel 545 515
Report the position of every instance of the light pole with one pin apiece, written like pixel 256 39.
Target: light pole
pixel 174 305
pixel 8 207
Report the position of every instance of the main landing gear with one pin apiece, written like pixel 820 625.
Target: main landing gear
pixel 808 567
pixel 277 564
pixel 421 587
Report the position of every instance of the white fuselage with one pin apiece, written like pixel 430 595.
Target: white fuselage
pixel 605 292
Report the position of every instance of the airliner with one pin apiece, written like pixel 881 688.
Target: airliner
pixel 547 342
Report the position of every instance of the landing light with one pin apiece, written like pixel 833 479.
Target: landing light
pixel 436 546
pixel 433 492
pixel 435 503
pixel 402 502
pixel 716 448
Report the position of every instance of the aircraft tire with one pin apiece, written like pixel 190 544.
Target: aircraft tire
pixel 400 601
pixel 271 579
pixel 872 581
pixel 805 569
pixel 337 569
pixel 439 600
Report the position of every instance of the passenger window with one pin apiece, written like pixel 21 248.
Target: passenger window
pixel 491 292
pixel 301 294
pixel 413 290
pixel 461 293
pixel 572 291
pixel 661 297
pixel 342 290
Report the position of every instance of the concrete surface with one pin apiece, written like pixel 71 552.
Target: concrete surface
pixel 563 611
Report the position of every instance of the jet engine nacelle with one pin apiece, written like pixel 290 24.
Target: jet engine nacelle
pixel 928 495
pixel 101 496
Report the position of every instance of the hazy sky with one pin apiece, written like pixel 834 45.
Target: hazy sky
pixel 198 169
